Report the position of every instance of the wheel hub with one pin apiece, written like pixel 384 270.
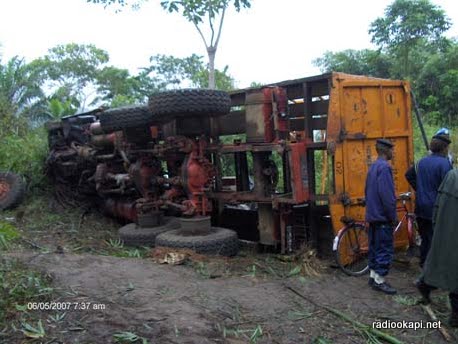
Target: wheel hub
pixel 4 189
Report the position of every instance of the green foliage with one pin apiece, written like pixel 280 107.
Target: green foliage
pixel 411 46
pixel 196 11
pixel 408 21
pixel 57 109
pixel 7 233
pixel 359 62
pixel 208 13
pixel 168 72
pixel 117 86
pixel 407 24
pixel 201 13
pixel 70 68
pixel 25 155
pixel 20 93
pixel 437 86
pixel 129 337
pixel 33 331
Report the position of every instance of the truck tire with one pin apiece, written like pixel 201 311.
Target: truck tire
pixel 220 241
pixel 189 103
pixel 12 190
pixel 132 235
pixel 125 117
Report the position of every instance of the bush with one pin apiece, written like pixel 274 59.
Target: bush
pixel 25 154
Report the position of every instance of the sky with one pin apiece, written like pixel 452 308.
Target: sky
pixel 270 42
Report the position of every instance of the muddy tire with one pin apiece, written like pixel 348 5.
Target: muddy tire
pixel 132 235
pixel 189 103
pixel 12 190
pixel 125 117
pixel 220 241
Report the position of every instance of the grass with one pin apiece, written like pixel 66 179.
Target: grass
pixel 33 331
pixel 252 335
pixel 406 300
pixel 44 225
pixel 129 337
pixel 20 285
pixel 8 234
pixel 299 315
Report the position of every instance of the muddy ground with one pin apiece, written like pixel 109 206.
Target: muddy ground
pixel 246 299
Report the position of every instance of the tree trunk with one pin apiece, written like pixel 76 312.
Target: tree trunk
pixel 211 67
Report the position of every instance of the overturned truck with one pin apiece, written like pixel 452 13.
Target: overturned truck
pixel 283 165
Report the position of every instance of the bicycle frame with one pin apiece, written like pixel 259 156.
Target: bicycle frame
pixel 409 217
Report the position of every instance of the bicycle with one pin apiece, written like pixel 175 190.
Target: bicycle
pixel 351 244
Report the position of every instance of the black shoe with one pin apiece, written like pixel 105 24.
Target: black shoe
pixel 424 290
pixel 453 321
pixel 371 281
pixel 384 287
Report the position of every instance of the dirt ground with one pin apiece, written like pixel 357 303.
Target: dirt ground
pixel 175 304
pixel 245 299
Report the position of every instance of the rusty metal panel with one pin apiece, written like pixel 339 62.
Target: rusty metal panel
pixel 299 174
pixel 258 128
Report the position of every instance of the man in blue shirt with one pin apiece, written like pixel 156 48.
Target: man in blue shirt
pixel 381 215
pixel 425 178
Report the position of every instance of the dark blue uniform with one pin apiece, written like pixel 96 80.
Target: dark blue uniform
pixel 381 214
pixel 430 172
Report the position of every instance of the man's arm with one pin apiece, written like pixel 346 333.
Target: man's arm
pixel 387 193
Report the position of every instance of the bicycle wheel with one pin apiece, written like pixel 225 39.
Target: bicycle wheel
pixel 353 250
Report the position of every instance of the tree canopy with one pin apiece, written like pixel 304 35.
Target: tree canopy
pixel 411 45
pixel 407 24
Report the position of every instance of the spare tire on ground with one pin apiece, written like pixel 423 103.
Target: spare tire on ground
pixel 12 190
pixel 133 235
pixel 219 241
pixel 125 117
pixel 189 103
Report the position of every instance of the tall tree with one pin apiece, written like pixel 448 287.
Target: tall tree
pixel 405 25
pixel 206 12
pixel 202 14
pixel 72 70
pixel 437 86
pixel 21 96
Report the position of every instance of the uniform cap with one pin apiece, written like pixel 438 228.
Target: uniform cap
pixel 443 138
pixel 385 142
pixel 443 134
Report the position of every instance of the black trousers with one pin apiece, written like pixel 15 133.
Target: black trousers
pixel 425 229
pixel 453 296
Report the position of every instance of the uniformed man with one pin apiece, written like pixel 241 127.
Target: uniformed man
pixel 425 178
pixel 381 215
pixel 441 265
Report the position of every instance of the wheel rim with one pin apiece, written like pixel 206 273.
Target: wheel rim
pixel 353 251
pixel 4 189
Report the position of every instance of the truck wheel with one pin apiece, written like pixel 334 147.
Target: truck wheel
pixel 125 117
pixel 12 190
pixel 132 235
pixel 189 103
pixel 219 241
